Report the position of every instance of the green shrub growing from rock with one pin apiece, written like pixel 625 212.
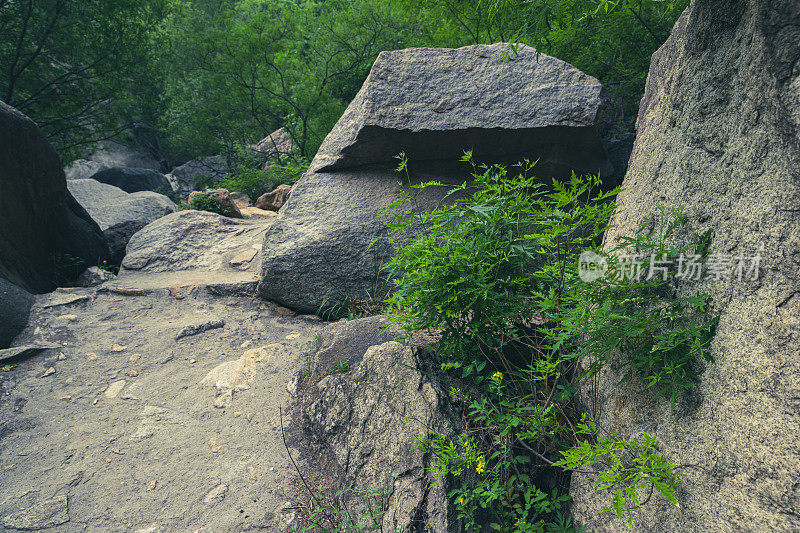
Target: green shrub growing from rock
pixel 496 274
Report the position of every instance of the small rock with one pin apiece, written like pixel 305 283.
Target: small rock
pixel 216 494
pixel 61 357
pixel 141 433
pixel 152 485
pixel 114 389
pixel 221 197
pixel 223 400
pixel 91 357
pixel 192 361
pixel 133 358
pixel 118 348
pixel 133 373
pixel 68 318
pixel 237 414
pixel 215 444
pixel 245 344
pixel 49 372
pixel 292 336
pixel 199 328
pixel 243 257
pixel 93 276
pixel 66 398
pixel 273 201
pixel 283 311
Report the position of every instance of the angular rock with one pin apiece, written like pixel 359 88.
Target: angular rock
pixel 274 147
pixel 93 276
pixel 202 171
pixel 46 237
pixel 196 329
pixel 191 240
pixel 273 201
pixel 717 138
pixel 368 420
pixel 132 155
pixel 134 179
pixel 319 252
pixel 82 169
pixel 434 103
pixel 347 341
pixel 118 213
pixel 15 308
pixel 221 197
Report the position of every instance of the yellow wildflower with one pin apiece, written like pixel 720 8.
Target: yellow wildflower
pixel 481 465
pixel 498 375
pixel 461 501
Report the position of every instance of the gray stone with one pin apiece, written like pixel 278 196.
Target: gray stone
pixel 15 308
pixel 275 147
pixel 196 329
pixel 119 214
pixel 61 297
pixel 368 420
pixel 434 103
pixel 191 240
pixel 134 179
pixel 347 341
pixel 319 252
pixel 24 351
pixel 82 169
pixel 273 201
pixel 41 515
pixel 117 154
pixel 187 177
pixel 93 276
pixel 46 237
pixel 717 137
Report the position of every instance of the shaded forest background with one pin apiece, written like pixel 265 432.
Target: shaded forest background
pixel 195 77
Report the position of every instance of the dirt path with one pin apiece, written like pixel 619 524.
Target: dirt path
pixel 126 428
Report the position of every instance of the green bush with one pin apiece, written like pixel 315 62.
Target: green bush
pixel 495 273
pixel 207 203
pixel 254 182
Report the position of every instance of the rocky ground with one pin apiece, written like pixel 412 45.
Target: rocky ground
pixel 158 411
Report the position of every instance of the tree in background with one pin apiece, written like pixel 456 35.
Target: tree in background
pixel 72 64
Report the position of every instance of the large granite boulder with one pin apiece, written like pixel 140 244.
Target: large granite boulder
pixel 433 104
pixel 198 172
pixel 366 422
pixel 119 214
pixel 46 237
pixel 195 241
pixel 718 135
pixel 15 307
pixel 134 179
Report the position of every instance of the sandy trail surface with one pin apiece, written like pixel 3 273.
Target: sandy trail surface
pixel 156 412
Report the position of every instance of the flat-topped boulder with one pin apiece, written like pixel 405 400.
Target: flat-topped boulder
pixel 434 103
pixel 196 240
pixel 118 213
pixel 134 179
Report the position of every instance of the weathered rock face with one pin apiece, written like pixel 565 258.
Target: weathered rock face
pixel 81 169
pixel 319 252
pixel 433 104
pixel 134 179
pixel 221 198
pixel 194 240
pixel 115 154
pixel 15 307
pixel 360 417
pixel 273 201
pixel 274 147
pixel 185 178
pixel 118 213
pixel 718 135
pixel 42 228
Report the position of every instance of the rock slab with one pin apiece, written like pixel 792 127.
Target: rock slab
pixel 133 179
pixel 718 137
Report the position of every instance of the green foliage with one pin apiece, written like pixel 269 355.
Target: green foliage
pixel 254 182
pixel 205 202
pixel 495 272
pixel 365 515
